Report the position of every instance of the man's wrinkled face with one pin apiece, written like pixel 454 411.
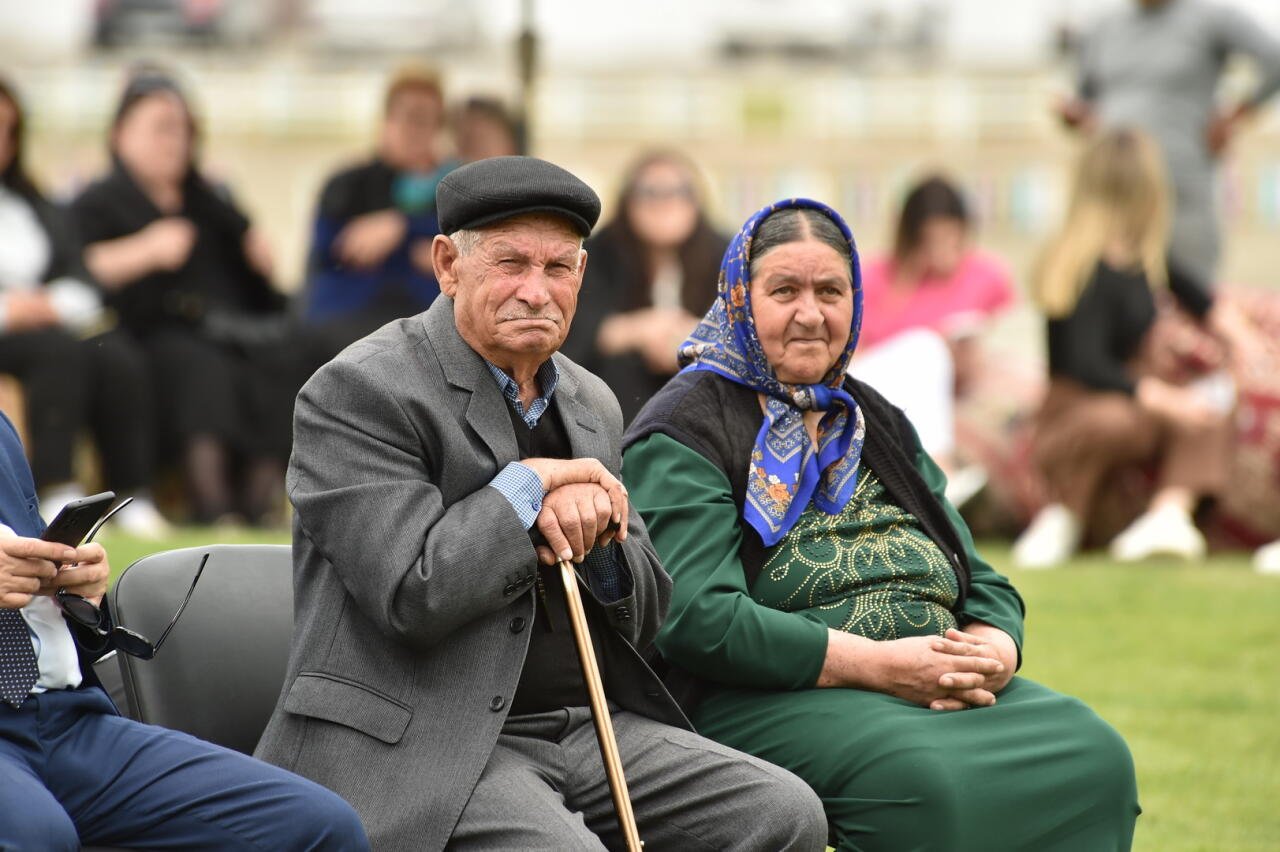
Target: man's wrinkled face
pixel 515 292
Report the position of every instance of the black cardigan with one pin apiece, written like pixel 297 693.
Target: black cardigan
pixel 1094 343
pixel 215 277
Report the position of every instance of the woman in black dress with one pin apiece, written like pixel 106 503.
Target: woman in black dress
pixel 189 279
pixel 651 275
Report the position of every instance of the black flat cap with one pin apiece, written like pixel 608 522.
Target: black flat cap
pixel 498 188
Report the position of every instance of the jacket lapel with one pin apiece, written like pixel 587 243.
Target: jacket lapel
pixel 485 409
pixel 586 431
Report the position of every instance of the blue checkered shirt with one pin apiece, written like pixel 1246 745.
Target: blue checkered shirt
pixel 523 488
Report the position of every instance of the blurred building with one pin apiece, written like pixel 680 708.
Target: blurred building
pixel 841 100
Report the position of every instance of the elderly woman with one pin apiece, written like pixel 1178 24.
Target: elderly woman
pixel 830 613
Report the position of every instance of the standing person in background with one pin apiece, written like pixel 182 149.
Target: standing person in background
pixel 652 274
pixel 926 306
pixel 188 277
pixel 77 370
pixel 1112 400
pixel 370 258
pixel 1156 66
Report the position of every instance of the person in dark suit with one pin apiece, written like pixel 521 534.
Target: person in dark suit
pixel 72 769
pixel 433 680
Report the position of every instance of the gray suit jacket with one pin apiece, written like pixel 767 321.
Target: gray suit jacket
pixel 410 574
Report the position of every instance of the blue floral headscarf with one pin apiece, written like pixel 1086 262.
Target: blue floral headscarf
pixel 786 473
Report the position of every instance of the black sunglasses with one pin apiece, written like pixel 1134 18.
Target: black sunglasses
pixel 89 615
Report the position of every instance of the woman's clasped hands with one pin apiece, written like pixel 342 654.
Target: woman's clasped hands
pixel 963 669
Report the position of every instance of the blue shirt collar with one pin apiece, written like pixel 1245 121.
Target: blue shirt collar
pixel 548 377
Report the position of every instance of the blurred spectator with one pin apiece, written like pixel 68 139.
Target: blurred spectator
pixel 188 277
pixel 924 310
pixel 484 128
pixel 1114 398
pixel 370 259
pixel 651 274
pixel 76 370
pixel 1156 65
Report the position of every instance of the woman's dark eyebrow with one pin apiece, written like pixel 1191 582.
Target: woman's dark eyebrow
pixel 790 278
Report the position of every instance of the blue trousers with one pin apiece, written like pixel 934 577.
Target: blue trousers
pixel 72 771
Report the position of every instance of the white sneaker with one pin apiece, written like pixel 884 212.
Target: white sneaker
pixel 1052 538
pixel 1160 532
pixel 1267 559
pixel 142 519
pixel 964 484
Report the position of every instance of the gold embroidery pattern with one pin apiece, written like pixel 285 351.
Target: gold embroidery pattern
pixel 870 570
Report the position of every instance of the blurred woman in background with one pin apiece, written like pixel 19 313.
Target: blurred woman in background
pixel 76 370
pixel 189 279
pixel 1114 398
pixel 927 305
pixel 652 273
pixel 370 256
pixel 483 127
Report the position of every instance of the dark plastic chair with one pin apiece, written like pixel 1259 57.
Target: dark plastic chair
pixel 218 675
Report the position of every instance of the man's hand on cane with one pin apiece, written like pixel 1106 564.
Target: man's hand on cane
pixel 584 506
pixel 574 519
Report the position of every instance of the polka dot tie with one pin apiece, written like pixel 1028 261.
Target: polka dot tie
pixel 19 670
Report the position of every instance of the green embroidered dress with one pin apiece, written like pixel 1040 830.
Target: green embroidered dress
pixel 1039 770
pixel 869 570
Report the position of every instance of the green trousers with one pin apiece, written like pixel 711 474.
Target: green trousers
pixel 1037 771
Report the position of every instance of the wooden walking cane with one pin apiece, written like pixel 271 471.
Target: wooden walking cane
pixel 599 709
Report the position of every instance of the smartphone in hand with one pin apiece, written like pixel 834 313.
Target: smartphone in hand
pixel 78 518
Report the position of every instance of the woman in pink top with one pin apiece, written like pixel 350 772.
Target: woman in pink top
pixel 923 310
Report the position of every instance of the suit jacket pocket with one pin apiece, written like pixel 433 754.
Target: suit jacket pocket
pixel 345 702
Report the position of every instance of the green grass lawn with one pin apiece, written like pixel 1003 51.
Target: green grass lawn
pixel 1183 660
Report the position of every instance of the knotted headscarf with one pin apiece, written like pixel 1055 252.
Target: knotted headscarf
pixel 786 473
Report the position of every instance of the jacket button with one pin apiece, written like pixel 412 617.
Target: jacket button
pixel 497 703
pixel 507 590
pixel 517 624
pixel 622 613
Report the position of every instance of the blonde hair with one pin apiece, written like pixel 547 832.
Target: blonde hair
pixel 1120 192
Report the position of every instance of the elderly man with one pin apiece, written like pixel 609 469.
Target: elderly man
pixel 433 679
